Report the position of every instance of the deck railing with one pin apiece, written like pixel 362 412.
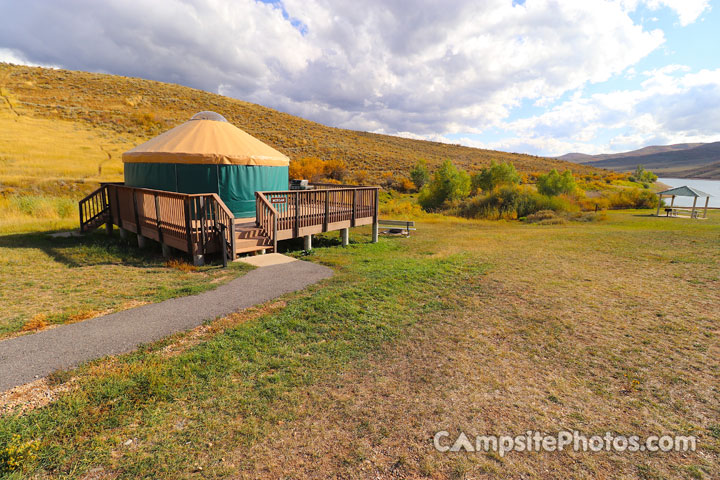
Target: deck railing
pixel 296 213
pixel 194 223
pixel 201 223
pixel 266 218
pixel 325 186
pixel 94 209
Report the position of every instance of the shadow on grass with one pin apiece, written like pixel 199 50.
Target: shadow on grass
pixel 322 240
pixel 95 248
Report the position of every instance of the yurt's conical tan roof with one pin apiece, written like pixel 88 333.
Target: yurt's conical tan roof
pixel 205 141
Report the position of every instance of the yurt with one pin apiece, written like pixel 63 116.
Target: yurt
pixel 207 154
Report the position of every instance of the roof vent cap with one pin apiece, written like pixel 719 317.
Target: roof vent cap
pixel 208 115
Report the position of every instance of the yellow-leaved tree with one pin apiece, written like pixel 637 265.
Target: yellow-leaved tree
pixel 307 168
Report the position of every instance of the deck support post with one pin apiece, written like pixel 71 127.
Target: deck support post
pixel 109 227
pixel 142 241
pixel 157 219
pixel 707 201
pixel 326 217
pixel 166 250
pixel 117 208
pixel 345 236
pixel 297 214
pixel 188 228
pixel 307 243
pixel 138 229
pixel 692 213
pixel 376 217
pixel 198 260
pixel 354 207
pixel 123 233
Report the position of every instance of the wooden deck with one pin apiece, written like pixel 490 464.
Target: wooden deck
pixel 201 224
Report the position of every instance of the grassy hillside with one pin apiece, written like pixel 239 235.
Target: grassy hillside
pixel 710 171
pixel 122 111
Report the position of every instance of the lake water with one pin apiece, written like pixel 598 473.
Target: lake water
pixel 708 186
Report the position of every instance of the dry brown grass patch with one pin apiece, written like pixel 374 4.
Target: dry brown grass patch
pixel 85 315
pixel 37 322
pixel 181 265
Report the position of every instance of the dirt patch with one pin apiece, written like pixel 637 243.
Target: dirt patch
pixel 28 397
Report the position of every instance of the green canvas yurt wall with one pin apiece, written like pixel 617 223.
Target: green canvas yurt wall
pixel 208 155
pixel 236 184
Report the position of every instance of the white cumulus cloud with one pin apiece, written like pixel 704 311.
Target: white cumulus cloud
pixel 687 10
pixel 672 105
pixel 421 67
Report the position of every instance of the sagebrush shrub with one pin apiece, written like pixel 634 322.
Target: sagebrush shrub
pixel 510 202
pixel 633 198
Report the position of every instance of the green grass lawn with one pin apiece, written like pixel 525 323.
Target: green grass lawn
pixel 488 327
pixel 48 281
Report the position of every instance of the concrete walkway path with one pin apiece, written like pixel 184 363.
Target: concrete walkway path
pixel 29 357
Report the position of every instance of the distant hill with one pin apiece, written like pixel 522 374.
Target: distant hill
pixel 122 111
pixel 575 157
pixel 684 160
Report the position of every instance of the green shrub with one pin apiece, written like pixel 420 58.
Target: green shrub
pixel 448 184
pixel 17 453
pixel 39 206
pixel 633 198
pixel 646 177
pixel 66 207
pixel 554 183
pixel 420 175
pixel 510 202
pixel 495 175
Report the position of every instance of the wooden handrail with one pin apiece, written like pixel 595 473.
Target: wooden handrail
pixel 298 211
pixel 221 204
pixel 264 200
pixel 266 217
pixel 93 209
pixel 229 232
pixel 337 188
pixel 196 223
pixel 330 186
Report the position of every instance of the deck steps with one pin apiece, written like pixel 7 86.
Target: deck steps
pixel 240 251
pixel 249 239
pixel 253 232
pixel 96 222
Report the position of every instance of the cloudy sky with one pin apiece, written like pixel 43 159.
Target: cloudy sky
pixel 537 76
